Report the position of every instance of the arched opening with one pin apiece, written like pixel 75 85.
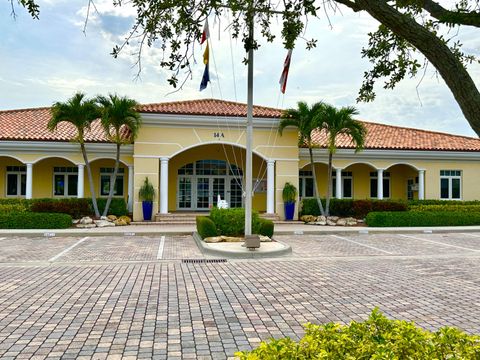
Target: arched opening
pixel 12 177
pixel 54 177
pixel 199 175
pixel 357 181
pixel 404 181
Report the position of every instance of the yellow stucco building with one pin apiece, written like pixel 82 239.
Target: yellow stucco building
pixel 193 151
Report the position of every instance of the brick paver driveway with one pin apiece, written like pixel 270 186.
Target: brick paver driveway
pixel 119 297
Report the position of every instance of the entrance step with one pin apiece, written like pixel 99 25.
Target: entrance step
pixel 189 218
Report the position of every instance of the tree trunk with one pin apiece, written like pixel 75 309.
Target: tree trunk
pixel 329 183
pixel 450 68
pixel 90 180
pixel 315 189
pixel 112 181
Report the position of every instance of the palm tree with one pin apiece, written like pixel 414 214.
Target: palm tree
pixel 306 119
pixel 337 122
pixel 80 112
pixel 121 123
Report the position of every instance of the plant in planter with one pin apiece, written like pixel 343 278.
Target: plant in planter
pixel 289 195
pixel 147 194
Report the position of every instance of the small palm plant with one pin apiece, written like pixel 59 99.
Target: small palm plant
pixel 147 194
pixel 80 112
pixel 121 123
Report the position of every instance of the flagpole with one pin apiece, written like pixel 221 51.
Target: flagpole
pixel 249 138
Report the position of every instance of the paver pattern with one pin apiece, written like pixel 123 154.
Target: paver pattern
pixel 168 309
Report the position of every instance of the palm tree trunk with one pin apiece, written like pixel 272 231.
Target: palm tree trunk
pixel 329 183
pixel 90 180
pixel 315 189
pixel 112 182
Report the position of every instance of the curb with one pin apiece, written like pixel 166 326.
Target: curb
pixel 206 250
pixel 56 233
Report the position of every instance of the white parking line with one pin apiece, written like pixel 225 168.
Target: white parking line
pixel 469 234
pixel 2 239
pixel 68 249
pixel 160 248
pixel 438 242
pixel 368 246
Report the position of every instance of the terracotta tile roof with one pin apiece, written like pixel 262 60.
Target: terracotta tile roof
pixel 380 136
pixel 212 107
pixel 31 124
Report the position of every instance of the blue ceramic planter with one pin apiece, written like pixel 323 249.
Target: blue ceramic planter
pixel 147 207
pixel 289 210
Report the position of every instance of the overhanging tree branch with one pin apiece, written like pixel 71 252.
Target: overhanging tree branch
pixel 457 17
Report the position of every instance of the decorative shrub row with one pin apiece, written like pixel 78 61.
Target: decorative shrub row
pixel 427 218
pixel 375 338
pixel 352 208
pixel 31 220
pixel 231 222
pixel 71 206
pixel 442 202
pixel 8 208
pixel 447 207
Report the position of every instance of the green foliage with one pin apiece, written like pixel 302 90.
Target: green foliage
pixel 206 227
pixel 442 202
pixel 266 227
pixel 376 338
pixel 118 206
pixel 147 191
pixel 427 218
pixel 352 208
pixel 31 220
pixel 446 207
pixel 289 193
pixel 231 222
pixel 9 208
pixel 26 203
pixel 71 206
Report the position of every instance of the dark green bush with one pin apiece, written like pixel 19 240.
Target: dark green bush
pixel 442 202
pixel 118 206
pixel 31 220
pixel 231 222
pixel 206 227
pixel 427 218
pixel 266 227
pixel 354 208
pixel 376 338
pixel 71 206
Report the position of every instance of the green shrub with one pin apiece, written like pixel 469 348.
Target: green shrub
pixel 442 202
pixel 376 338
pixel 9 208
pixel 118 206
pixel 31 220
pixel 427 218
pixel 266 227
pixel 206 227
pixel 354 208
pixel 231 222
pixel 71 206
pixel 446 207
pixel 17 201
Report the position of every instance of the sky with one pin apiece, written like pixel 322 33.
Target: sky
pixel 48 60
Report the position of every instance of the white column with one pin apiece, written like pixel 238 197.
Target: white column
pixel 130 188
pixel 380 184
pixel 81 181
pixel 421 184
pixel 164 185
pixel 339 182
pixel 270 186
pixel 28 191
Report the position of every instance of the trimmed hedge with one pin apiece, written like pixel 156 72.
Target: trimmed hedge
pixel 206 227
pixel 266 228
pixel 376 338
pixel 352 208
pixel 31 220
pixel 446 207
pixel 442 202
pixel 118 206
pixel 9 208
pixel 427 218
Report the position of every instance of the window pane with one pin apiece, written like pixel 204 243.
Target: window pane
pixel 12 184
pixel 334 187
pixel 119 186
pixel 23 184
pixel 59 185
pixel 455 188
pixel 104 185
pixel 347 187
pixel 72 185
pixel 309 187
pixel 444 188
pixel 373 188
pixel 386 188
pixel 300 186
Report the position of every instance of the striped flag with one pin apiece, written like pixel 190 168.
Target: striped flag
pixel 205 33
pixel 286 67
pixel 206 58
pixel 205 79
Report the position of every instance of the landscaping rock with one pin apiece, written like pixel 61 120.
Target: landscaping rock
pixel 351 221
pixel 120 222
pixel 331 223
pixel 218 239
pixel 308 218
pixel 341 222
pixel 321 218
pixel 103 223
pixel 86 226
pixel 333 218
pixel 126 219
pixel 74 222
pixel 232 239
pixel 86 220
pixel 265 239
pixel 321 223
pixel 213 239
pixel 111 218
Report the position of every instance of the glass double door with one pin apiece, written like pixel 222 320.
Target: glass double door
pixel 201 192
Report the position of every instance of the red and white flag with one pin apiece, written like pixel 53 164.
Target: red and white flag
pixel 286 67
pixel 205 33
